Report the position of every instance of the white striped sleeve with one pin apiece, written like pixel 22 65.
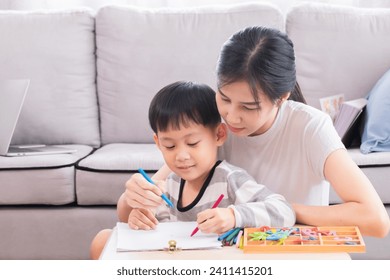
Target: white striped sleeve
pixel 255 205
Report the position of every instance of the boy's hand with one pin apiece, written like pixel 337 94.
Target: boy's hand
pixel 142 219
pixel 217 220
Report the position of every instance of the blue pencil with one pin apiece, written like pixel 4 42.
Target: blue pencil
pixel 163 196
pixel 221 237
pixel 233 234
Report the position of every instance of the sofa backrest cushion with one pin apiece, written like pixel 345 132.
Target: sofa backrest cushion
pixel 56 51
pixel 139 51
pixel 339 50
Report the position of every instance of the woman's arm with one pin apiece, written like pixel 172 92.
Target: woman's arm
pixel 139 193
pixel 362 206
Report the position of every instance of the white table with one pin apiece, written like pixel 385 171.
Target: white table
pixel 225 253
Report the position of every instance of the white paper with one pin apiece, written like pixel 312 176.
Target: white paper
pixel 157 239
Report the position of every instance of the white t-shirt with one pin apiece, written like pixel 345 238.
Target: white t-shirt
pixel 289 158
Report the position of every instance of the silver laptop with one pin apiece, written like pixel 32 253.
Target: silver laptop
pixel 12 95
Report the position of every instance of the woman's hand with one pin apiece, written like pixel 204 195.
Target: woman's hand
pixel 142 219
pixel 217 220
pixel 140 193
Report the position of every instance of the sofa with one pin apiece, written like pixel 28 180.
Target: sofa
pixel 92 75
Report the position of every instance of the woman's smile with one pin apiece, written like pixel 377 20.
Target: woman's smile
pixel 234 129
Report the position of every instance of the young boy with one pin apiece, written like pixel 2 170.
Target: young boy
pixel 188 131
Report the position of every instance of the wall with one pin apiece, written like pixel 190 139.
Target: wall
pixel 284 5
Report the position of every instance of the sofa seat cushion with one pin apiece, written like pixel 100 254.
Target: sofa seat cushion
pixel 375 166
pixel 43 179
pixel 141 50
pixel 101 177
pixel 369 160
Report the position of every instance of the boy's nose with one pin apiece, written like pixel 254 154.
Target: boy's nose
pixel 182 155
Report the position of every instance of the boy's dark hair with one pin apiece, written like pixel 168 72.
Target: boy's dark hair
pixel 182 102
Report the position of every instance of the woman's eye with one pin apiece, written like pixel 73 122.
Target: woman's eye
pixel 224 99
pixel 251 108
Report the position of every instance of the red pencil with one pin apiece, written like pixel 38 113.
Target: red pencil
pixel 214 206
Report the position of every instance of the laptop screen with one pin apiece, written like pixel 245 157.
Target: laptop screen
pixel 12 95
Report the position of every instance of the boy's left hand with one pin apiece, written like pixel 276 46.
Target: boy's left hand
pixel 217 220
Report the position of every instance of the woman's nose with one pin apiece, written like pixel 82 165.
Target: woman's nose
pixel 232 116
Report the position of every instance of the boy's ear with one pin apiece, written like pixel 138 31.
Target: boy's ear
pixel 155 138
pixel 221 134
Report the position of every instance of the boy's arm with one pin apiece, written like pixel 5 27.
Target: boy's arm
pixel 255 205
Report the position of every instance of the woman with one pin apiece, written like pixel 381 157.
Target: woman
pixel 284 144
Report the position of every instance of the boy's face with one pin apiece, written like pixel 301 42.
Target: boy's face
pixel 191 151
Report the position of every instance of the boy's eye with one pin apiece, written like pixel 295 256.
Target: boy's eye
pixel 169 147
pixel 193 144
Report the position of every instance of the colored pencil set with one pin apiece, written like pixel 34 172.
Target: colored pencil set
pixel 233 237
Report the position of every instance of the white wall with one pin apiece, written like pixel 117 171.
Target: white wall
pixel 284 5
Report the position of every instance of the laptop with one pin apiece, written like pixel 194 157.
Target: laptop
pixel 12 96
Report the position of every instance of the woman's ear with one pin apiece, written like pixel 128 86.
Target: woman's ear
pixel 221 134
pixel 283 98
pixel 286 95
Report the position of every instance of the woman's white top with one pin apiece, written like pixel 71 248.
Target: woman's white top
pixel 290 157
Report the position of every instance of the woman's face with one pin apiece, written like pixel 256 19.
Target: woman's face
pixel 241 113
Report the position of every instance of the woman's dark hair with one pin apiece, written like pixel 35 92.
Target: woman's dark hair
pixel 263 57
pixel 182 102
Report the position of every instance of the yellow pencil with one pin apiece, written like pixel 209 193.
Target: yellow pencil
pixel 241 242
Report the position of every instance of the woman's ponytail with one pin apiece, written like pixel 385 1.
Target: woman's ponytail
pixel 296 94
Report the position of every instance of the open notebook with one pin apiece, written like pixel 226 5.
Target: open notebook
pixel 155 240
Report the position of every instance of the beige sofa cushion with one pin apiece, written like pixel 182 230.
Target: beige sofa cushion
pixel 56 51
pixel 139 51
pixel 339 50
pixel 40 179
pixel 101 177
